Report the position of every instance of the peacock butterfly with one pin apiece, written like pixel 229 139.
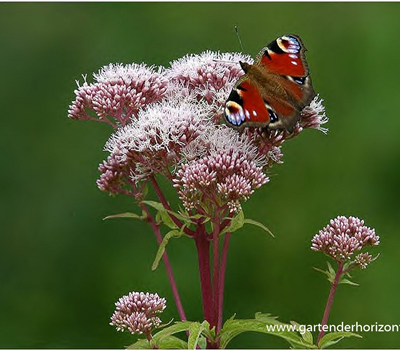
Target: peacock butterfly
pixel 274 89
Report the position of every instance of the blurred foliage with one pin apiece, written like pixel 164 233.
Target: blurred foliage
pixel 62 267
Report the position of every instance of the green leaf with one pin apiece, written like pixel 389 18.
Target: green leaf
pixel 330 273
pixel 331 269
pixel 237 222
pixel 347 281
pixel 169 342
pixel 195 331
pixel 162 217
pixel 140 344
pixel 209 333
pixel 263 324
pixel 161 248
pixel 258 224
pixel 160 208
pixel 156 205
pixel 202 342
pixel 126 215
pixel 306 335
pixel 175 328
pixel 335 337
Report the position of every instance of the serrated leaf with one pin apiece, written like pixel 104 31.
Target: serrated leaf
pixel 236 223
pixel 306 335
pixel 233 328
pixel 169 342
pixel 195 331
pixel 335 337
pixel 175 328
pixel 140 344
pixel 267 318
pixel 202 342
pixel 258 224
pixel 126 215
pixel 161 248
pixel 209 333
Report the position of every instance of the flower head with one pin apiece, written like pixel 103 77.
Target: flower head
pixel 137 312
pixel 118 93
pixel 152 142
pixel 227 173
pixel 343 237
pixel 208 76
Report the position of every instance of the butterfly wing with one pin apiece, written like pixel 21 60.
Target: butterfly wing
pixel 275 88
pixel 284 62
pixel 246 107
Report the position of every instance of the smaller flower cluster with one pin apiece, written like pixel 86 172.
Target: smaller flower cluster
pixel 224 176
pixel 137 312
pixel 118 93
pixel 343 237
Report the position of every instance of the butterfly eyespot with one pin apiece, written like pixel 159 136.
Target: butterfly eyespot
pixel 273 116
pixel 299 80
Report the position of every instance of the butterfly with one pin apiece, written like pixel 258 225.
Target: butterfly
pixel 274 90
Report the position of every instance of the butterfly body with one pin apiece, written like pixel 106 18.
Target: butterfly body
pixel 274 89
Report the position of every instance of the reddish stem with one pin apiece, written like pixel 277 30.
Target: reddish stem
pixel 203 252
pixel 167 264
pixel 330 300
pixel 222 279
pixel 216 292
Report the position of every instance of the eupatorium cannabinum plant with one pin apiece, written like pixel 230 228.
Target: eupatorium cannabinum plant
pixel 167 122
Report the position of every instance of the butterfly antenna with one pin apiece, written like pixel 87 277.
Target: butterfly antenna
pixel 238 36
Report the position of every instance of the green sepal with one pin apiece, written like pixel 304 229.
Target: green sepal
pixel 335 337
pixel 161 248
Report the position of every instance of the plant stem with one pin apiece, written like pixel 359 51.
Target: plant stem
pixel 167 264
pixel 203 252
pixel 216 291
pixel 330 300
pixel 222 279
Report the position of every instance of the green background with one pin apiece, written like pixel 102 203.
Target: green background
pixel 62 267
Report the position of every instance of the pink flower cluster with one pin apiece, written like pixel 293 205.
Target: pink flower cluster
pixel 343 237
pixel 118 93
pixel 137 312
pixel 225 177
pixel 208 76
